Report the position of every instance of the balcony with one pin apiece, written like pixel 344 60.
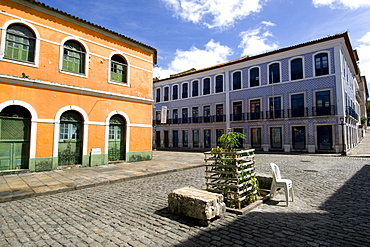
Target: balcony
pixel 277 114
pixel 255 115
pixel 237 117
pixel 323 111
pixel 298 112
pixel 352 112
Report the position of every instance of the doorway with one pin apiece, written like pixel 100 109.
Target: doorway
pixel 15 128
pixel 70 138
pixel 117 137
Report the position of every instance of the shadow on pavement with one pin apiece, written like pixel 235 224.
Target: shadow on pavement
pixel 342 220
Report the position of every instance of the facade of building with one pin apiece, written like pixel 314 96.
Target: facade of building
pixel 301 98
pixel 70 91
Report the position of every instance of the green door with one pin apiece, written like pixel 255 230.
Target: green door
pixel 116 143
pixel 14 138
pixel 70 136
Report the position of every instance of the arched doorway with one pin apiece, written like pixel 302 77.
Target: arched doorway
pixel 117 137
pixel 70 138
pixel 15 128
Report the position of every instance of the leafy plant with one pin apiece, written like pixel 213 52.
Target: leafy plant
pixel 233 174
pixel 230 141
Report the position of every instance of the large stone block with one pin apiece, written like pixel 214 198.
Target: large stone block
pixel 195 203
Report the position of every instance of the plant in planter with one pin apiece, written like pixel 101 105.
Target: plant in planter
pixel 231 172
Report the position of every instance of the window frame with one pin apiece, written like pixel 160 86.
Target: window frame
pixel 86 53
pixel 173 115
pixel 166 93
pixel 192 88
pixel 233 108
pixel 219 84
pixel 328 63
pixel 331 100
pixel 292 137
pixel 269 73
pixel 177 92
pixel 219 112
pixel 182 90
pixel 209 113
pixel 260 114
pixel 291 71
pixel 121 83
pixel 209 87
pixel 291 105
pixel 4 30
pixel 259 76
pixel 158 94
pixel 258 131
pixel 233 82
pixel 187 115
pixel 275 110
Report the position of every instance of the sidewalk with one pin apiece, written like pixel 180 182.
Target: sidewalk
pixel 19 186
pixel 363 148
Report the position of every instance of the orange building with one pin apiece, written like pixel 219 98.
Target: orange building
pixel 71 92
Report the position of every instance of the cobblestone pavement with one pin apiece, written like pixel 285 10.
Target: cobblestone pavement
pixel 331 208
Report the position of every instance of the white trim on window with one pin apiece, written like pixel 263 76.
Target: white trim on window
pixel 290 68
pixel 268 72
pixel 314 63
pixel 87 57
pixel 259 76
pixel 232 80
pixel 127 83
pixel 3 41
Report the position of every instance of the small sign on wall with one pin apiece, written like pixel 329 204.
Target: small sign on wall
pixel 164 115
pixel 95 151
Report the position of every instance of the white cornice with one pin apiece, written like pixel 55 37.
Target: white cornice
pixel 71 89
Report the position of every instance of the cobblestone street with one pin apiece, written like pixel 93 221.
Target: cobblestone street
pixel 331 208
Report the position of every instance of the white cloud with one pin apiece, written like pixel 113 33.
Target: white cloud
pixel 214 53
pixel 214 13
pixel 255 41
pixel 363 51
pixel 352 4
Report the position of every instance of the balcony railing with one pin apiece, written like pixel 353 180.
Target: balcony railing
pixel 351 112
pixel 323 111
pixel 237 117
pixel 275 114
pixel 255 115
pixel 298 112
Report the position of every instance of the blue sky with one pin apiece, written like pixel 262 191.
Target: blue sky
pixel 200 33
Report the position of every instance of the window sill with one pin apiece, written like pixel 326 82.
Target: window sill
pixel 73 73
pixel 20 62
pixel 125 84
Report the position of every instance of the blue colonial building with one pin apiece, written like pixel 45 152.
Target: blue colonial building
pixel 302 98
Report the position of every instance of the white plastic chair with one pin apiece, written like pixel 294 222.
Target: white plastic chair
pixel 278 182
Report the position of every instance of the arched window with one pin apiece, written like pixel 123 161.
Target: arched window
pixel 118 69
pixel 184 90
pixel 274 73
pixel 219 83
pixel 158 95
pixel 74 57
pixel 206 86
pixel 175 92
pixel 321 64
pixel 254 77
pixel 20 43
pixel 296 69
pixel 237 80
